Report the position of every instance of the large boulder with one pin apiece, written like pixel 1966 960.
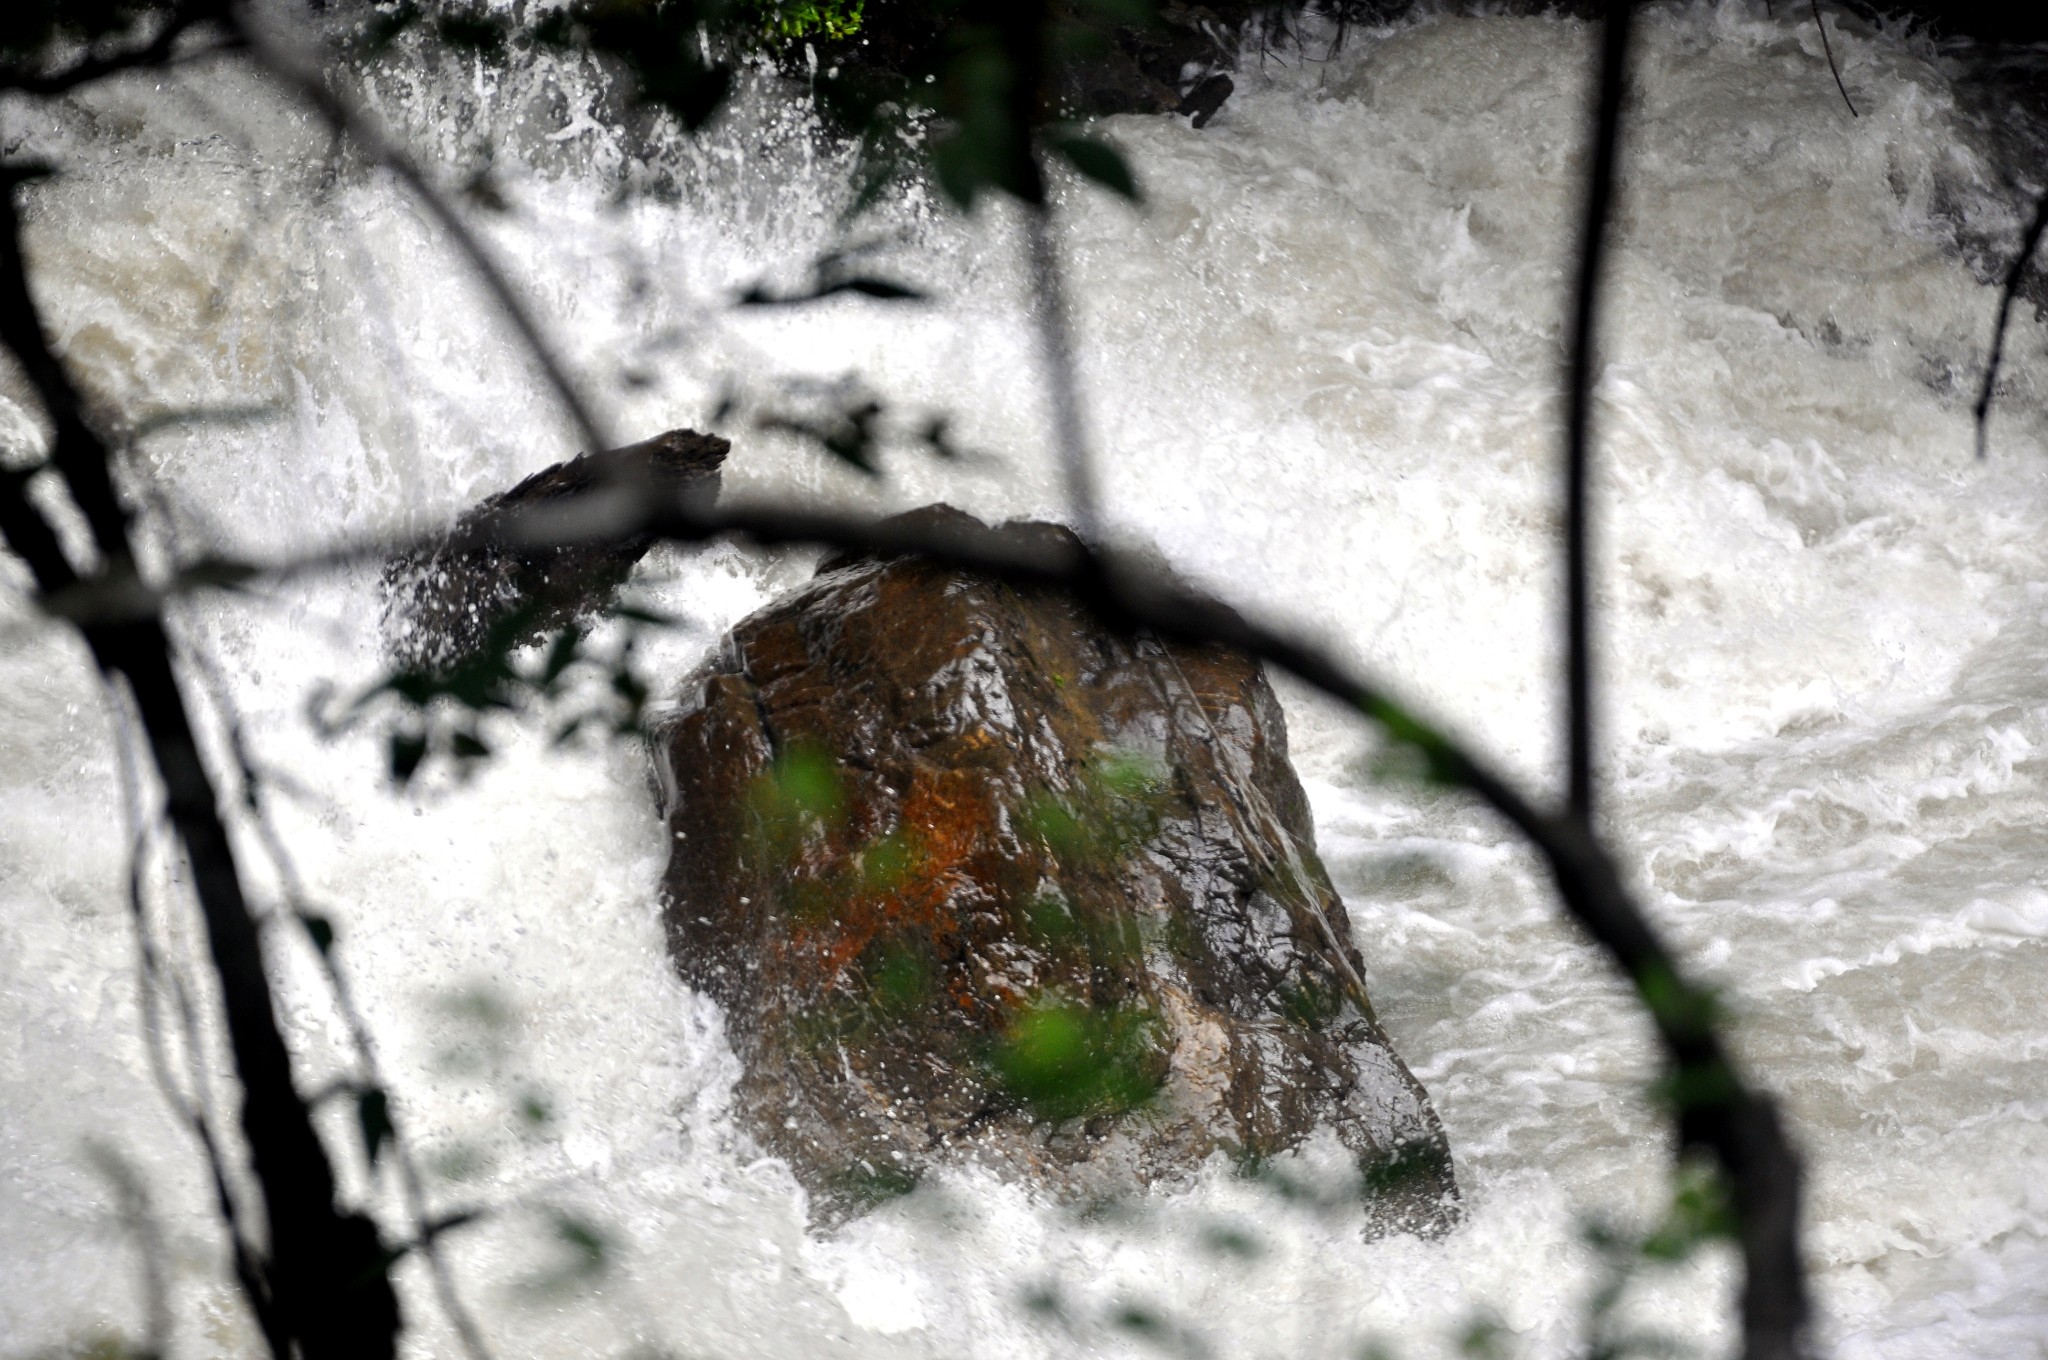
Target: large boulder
pixel 977 880
pixel 444 603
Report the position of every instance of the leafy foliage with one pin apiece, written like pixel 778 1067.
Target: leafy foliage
pixel 804 18
pixel 1114 807
pixel 1067 1061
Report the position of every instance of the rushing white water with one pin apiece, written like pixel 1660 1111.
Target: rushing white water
pixel 1321 370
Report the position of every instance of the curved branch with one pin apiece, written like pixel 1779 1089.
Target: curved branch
pixel 1829 49
pixel 1578 426
pixel 1718 1110
pixel 328 1288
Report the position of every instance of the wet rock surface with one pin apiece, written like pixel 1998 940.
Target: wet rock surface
pixel 444 604
pixel 977 880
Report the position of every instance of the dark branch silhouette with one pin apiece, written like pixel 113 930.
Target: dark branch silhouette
pixel 159 50
pixel 1580 372
pixel 1055 346
pixel 319 1255
pixel 412 1185
pixel 1718 1111
pixel 1829 49
pixel 2007 295
pixel 153 979
pixel 326 1268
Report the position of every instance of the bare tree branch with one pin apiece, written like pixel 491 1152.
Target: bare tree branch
pixel 1717 1110
pixel 1829 48
pixel 426 1235
pixel 151 980
pixel 327 1267
pixel 1580 374
pixel 2007 295
pixel 138 1215
pixel 120 617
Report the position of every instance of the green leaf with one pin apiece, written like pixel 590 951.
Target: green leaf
pixel 1063 1061
pixel 586 1241
pixel 1100 162
pixel 373 1113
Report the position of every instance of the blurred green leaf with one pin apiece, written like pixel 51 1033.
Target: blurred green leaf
pixel 901 982
pixel 587 1242
pixel 562 653
pixel 1484 1338
pixel 802 784
pixel 1700 1212
pixel 1114 806
pixel 1100 162
pixel 807 18
pixel 1232 1239
pixel 1065 1061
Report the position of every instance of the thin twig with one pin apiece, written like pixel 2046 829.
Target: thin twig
pixel 253 784
pixel 1579 378
pixel 1739 1125
pixel 412 1185
pixel 151 974
pixel 1829 48
pixel 2007 295
pixel 138 1216
pixel 326 1268
pixel 1056 352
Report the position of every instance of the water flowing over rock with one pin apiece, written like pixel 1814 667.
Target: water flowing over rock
pixel 979 881
pixel 445 603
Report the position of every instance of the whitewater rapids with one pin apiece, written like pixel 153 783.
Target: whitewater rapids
pixel 1321 368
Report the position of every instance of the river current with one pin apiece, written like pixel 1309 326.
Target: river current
pixel 1320 366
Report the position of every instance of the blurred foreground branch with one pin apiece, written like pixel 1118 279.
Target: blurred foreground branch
pixel 323 1283
pixel 1718 1111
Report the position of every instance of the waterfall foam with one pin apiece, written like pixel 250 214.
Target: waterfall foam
pixel 1321 366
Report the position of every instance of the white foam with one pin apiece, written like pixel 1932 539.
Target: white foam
pixel 1321 370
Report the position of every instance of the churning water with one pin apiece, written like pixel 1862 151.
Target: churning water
pixel 1321 371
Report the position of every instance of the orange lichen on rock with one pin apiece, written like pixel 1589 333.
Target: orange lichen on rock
pixel 943 819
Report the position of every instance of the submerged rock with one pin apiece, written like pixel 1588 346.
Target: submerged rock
pixel 977 880
pixel 443 604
